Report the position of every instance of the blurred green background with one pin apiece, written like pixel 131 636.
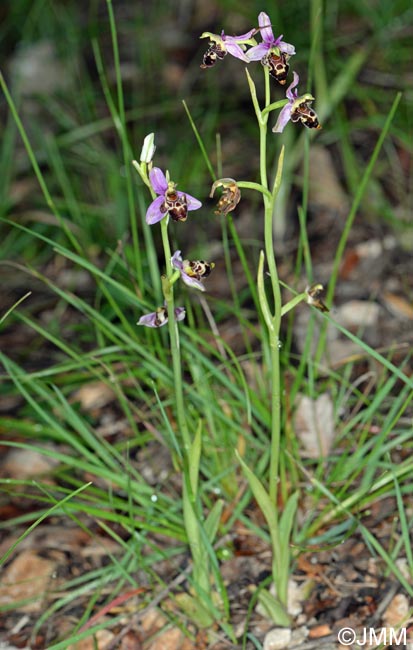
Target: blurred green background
pixel 48 57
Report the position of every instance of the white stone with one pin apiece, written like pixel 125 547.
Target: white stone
pixel 358 313
pixel 277 638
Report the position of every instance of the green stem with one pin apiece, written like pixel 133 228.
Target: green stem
pixel 142 169
pixel 168 292
pixel 263 135
pixel 274 338
pixel 274 325
pixel 291 304
pixel 254 186
pixel 273 334
pixel 265 308
pixel 268 239
pixel 174 339
pixel 274 106
pixel 166 247
pixel 275 417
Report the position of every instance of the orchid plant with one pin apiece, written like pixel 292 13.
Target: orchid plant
pixel 169 203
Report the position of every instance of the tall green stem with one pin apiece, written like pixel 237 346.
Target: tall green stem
pixel 168 292
pixel 273 333
pixel 174 339
pixel 273 322
pixel 262 122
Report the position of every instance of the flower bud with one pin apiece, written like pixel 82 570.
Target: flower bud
pixel 148 149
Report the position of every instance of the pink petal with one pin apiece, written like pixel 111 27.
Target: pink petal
pixel 242 37
pixel 176 260
pixel 153 213
pixel 283 119
pixel 192 202
pixel 265 28
pixel 287 48
pixel 192 282
pixel 149 320
pixel 158 180
pixel 257 52
pixel 291 96
pixel 237 51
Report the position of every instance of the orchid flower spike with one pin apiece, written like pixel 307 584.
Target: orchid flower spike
pixel 220 46
pixel 159 317
pixel 297 109
pixel 192 272
pixel 273 53
pixel 169 200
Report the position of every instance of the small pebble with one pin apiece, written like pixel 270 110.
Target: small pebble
pixel 277 638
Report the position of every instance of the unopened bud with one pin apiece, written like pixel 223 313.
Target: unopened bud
pixel 148 148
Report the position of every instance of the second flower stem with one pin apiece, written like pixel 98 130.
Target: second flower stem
pixel 274 326
pixel 174 341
